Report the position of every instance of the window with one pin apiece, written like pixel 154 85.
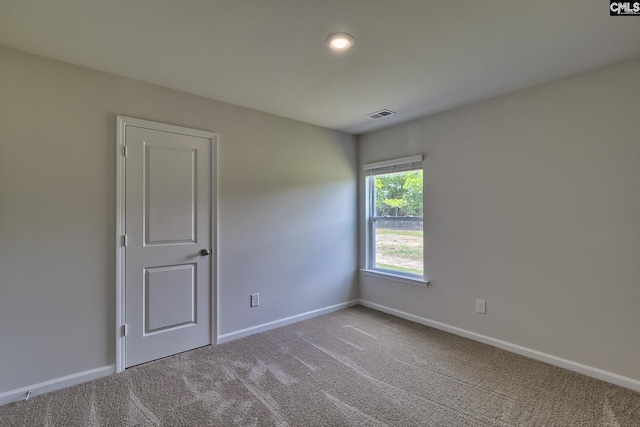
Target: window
pixel 395 243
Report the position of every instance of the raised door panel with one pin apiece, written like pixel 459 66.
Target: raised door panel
pixel 170 195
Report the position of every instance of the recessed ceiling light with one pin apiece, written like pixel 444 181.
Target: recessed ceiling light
pixel 340 41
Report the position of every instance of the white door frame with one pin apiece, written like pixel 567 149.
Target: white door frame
pixel 122 123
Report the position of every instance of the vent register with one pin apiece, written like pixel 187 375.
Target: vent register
pixel 380 114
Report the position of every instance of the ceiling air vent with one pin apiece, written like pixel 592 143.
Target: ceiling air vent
pixel 380 114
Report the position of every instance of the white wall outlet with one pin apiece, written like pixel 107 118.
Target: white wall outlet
pixel 255 300
pixel 481 306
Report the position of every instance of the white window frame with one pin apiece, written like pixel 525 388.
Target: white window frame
pixel 404 164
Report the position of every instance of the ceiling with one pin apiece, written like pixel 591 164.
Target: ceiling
pixel 415 57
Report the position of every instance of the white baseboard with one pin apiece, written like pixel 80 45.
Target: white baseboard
pixel 587 370
pixel 55 384
pixel 282 322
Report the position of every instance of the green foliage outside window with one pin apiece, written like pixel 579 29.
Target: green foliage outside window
pixel 399 194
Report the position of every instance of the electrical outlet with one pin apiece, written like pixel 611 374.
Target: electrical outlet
pixel 255 300
pixel 481 306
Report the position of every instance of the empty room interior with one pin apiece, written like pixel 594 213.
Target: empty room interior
pixel 319 212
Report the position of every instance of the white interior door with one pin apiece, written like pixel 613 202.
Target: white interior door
pixel 168 218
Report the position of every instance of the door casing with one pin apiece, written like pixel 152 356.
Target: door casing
pixel 122 123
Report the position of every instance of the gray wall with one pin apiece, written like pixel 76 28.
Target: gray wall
pixel 532 202
pixel 287 212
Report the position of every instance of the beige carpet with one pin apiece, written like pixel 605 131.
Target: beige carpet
pixel 355 367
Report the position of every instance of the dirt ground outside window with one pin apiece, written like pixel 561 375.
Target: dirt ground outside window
pixel 400 250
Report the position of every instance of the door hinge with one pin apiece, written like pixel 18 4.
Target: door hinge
pixel 124 330
pixel 124 240
pixel 125 151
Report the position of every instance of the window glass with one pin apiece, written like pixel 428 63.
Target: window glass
pixel 395 227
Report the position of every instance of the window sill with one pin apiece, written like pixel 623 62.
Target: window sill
pixel 396 278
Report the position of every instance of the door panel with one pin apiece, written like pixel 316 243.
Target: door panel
pixel 167 223
pixel 170 297
pixel 170 194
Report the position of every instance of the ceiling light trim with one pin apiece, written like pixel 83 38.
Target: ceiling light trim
pixel 340 41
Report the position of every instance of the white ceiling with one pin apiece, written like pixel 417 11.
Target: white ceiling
pixel 415 57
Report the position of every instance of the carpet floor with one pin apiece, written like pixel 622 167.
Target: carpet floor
pixel 355 367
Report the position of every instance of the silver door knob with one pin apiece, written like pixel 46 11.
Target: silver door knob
pixel 205 252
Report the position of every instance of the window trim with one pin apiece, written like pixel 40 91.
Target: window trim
pixel 392 275
pixel 404 164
